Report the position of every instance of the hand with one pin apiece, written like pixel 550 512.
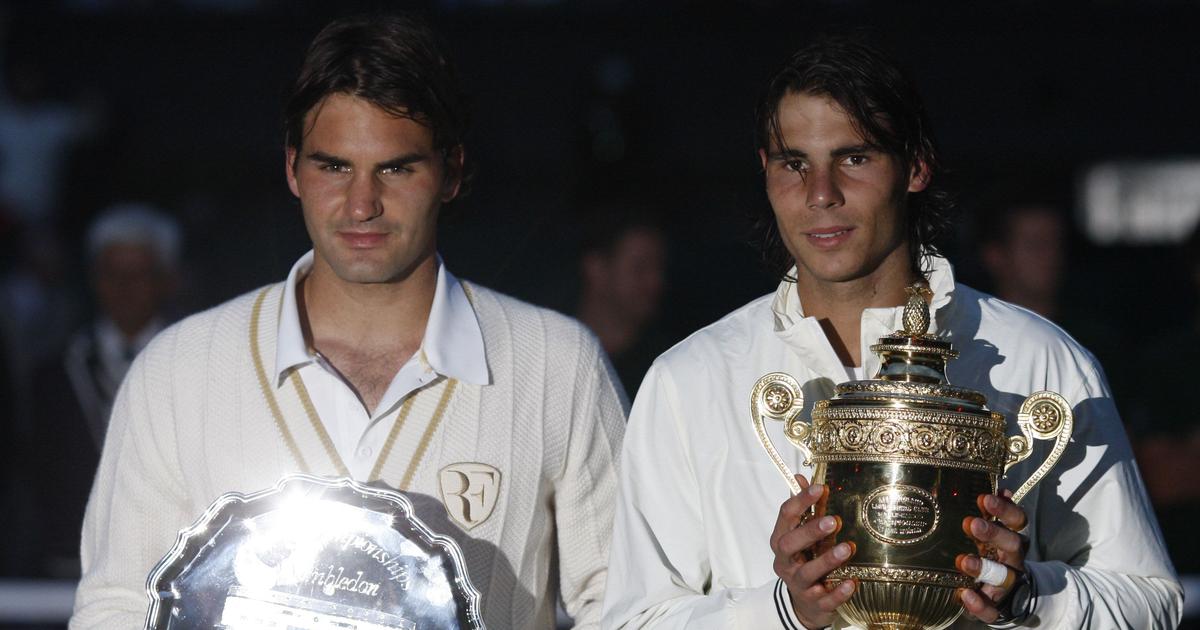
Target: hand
pixel 1000 538
pixel 813 602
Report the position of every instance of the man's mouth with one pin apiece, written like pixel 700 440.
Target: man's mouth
pixel 829 237
pixel 360 240
pixel 828 234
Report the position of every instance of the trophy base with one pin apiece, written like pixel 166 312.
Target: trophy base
pixel 901 605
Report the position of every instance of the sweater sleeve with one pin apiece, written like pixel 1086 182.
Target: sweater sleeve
pixel 137 504
pixel 659 569
pixel 586 490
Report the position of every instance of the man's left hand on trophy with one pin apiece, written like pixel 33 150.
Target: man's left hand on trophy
pixel 795 537
pixel 1003 550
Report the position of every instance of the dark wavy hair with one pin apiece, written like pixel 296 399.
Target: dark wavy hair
pixel 885 110
pixel 395 62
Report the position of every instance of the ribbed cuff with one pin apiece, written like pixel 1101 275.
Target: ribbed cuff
pixel 783 606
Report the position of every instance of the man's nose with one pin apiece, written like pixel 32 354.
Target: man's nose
pixel 364 198
pixel 823 190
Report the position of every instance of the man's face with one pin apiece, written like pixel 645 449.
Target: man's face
pixel 630 277
pixel 838 200
pixel 370 185
pixel 131 285
pixel 1030 260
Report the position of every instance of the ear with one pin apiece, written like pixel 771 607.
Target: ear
pixel 452 181
pixel 762 159
pixel 289 166
pixel 918 179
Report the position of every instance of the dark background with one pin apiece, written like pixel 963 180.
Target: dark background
pixel 191 103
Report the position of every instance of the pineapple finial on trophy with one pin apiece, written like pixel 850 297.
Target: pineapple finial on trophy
pixel 916 311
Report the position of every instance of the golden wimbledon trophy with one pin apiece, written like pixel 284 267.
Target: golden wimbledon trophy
pixel 905 456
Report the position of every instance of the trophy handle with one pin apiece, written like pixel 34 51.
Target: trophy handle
pixel 1044 415
pixel 778 396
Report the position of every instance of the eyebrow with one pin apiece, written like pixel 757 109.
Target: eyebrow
pixel 790 154
pixel 396 162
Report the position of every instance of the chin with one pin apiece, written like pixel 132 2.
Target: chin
pixel 360 272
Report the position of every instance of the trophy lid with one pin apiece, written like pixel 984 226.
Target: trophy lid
pixel 912 367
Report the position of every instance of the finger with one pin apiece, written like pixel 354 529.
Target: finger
pixel 792 510
pixel 802 480
pixel 986 571
pixel 837 596
pixel 992 534
pixel 981 607
pixel 804 537
pixel 1002 507
pixel 820 566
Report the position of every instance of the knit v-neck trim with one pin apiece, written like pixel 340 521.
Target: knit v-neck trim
pixel 318 426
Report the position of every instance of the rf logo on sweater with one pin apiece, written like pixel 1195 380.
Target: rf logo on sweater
pixel 469 491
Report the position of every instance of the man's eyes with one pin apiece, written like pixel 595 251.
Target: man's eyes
pixel 333 167
pixel 800 166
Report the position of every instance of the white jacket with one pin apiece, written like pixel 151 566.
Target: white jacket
pixel 191 422
pixel 698 496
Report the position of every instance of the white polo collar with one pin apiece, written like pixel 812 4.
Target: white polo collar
pixel 789 311
pixel 452 345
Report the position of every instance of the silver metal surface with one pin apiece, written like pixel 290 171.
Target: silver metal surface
pixel 312 554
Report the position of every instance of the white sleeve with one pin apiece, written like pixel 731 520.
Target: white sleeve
pixel 586 490
pixel 659 570
pixel 136 507
pixel 1102 563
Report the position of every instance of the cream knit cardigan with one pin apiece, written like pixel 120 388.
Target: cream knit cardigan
pixel 191 422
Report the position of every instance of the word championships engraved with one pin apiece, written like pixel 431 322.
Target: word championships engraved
pixel 900 514
pixel 397 572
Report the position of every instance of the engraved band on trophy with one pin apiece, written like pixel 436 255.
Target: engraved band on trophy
pixel 312 554
pixel 905 456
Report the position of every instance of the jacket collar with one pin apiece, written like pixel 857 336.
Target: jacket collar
pixel 805 336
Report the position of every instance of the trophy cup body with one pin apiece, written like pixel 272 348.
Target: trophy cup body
pixel 905 456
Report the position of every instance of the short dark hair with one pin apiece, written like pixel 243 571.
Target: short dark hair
pixel 604 223
pixel 397 63
pixel 885 109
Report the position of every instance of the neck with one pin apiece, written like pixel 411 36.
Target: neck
pixel 131 329
pixel 616 331
pixel 838 306
pixel 386 315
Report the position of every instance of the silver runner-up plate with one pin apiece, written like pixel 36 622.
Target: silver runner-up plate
pixel 312 554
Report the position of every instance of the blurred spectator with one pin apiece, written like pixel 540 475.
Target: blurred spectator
pixel 1165 428
pixel 622 268
pixel 133 251
pixel 1025 243
pixel 36 137
pixel 1023 248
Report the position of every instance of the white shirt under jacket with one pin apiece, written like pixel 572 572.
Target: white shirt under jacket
pixel 698 496
pixel 452 346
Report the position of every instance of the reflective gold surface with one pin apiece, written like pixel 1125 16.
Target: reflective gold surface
pixel 905 456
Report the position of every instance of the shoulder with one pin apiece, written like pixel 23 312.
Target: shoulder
pixel 224 326
pixel 734 335
pixel 1024 339
pixel 506 319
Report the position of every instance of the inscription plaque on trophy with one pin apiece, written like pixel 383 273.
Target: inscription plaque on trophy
pixel 312 554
